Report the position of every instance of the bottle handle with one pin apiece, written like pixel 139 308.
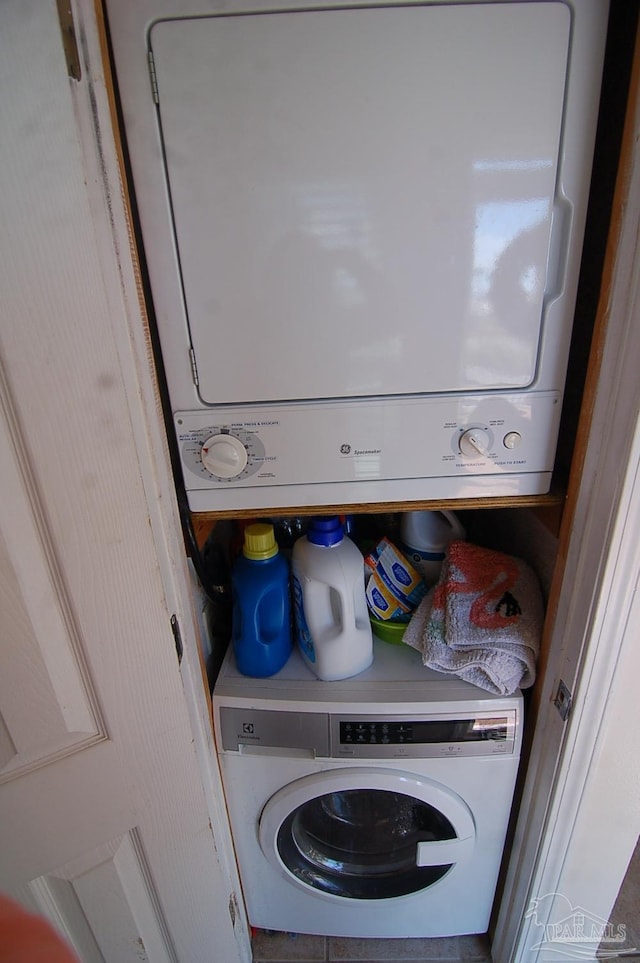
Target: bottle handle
pixel 262 637
pixel 344 600
pixel 455 523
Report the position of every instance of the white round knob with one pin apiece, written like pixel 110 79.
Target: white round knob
pixel 512 439
pixel 474 443
pixel 224 455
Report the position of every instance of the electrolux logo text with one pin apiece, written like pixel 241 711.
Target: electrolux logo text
pixel 248 733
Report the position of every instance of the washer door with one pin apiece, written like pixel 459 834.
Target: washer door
pixel 366 833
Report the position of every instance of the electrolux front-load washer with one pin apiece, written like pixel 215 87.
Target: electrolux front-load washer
pixel 376 806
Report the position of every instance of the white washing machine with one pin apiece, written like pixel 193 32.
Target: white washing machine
pixel 376 806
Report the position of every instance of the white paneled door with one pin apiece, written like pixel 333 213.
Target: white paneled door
pixel 104 821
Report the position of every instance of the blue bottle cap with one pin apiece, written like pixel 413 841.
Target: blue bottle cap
pixel 325 531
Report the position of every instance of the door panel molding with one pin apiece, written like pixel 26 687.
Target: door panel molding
pixel 49 705
pixel 104 904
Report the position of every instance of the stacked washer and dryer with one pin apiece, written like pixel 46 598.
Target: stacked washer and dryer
pixel 362 226
pixel 375 806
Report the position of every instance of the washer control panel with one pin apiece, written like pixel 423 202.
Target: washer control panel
pixel 485 733
pixel 368 737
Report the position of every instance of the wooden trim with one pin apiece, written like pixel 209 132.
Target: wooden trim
pixel 551 505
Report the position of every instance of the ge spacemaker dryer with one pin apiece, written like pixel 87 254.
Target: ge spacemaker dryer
pixel 376 806
pixel 362 224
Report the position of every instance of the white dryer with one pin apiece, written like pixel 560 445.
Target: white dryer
pixel 376 806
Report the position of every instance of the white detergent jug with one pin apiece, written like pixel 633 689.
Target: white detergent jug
pixel 425 537
pixel 332 619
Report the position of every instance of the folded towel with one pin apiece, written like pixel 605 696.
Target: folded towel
pixel 482 621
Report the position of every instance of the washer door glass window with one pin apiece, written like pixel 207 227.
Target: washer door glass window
pixel 368 842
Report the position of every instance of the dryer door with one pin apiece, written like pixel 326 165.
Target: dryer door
pixel 366 833
pixel 355 221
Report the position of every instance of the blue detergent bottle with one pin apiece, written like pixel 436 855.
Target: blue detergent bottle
pixel 261 633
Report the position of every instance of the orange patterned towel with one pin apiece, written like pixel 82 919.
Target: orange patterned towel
pixel 482 621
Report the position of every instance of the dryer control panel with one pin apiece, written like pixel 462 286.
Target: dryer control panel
pixel 457 444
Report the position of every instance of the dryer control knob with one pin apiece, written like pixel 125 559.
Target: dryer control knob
pixel 512 439
pixel 224 455
pixel 474 443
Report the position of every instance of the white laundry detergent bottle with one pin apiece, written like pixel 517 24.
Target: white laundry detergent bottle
pixel 332 618
pixel 425 537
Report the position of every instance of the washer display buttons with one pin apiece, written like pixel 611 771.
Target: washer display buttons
pixel 375 733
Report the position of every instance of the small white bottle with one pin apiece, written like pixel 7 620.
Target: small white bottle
pixel 425 537
pixel 332 618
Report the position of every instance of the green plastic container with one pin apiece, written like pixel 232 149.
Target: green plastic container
pixel 388 631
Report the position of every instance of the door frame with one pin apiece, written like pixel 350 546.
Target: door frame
pixel 101 145
pixel 581 772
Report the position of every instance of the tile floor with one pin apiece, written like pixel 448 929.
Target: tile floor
pixel 626 912
pixel 271 947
